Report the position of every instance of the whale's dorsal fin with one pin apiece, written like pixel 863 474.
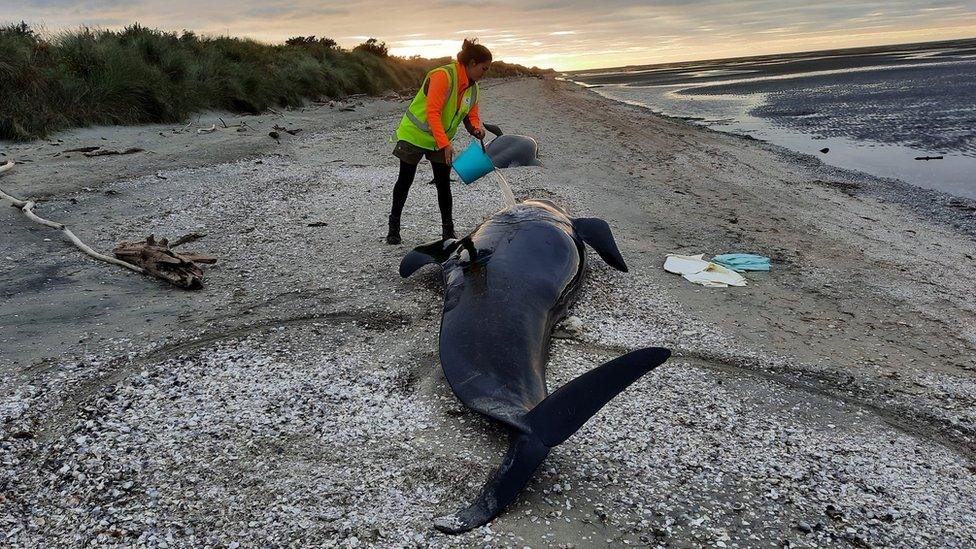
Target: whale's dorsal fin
pixel 425 254
pixel 596 233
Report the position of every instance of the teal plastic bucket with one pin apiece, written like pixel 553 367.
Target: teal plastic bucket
pixel 473 163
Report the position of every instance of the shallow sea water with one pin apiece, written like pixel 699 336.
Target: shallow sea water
pixel 874 112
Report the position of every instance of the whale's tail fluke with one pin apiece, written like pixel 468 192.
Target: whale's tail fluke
pixel 563 412
pixel 550 423
pixel 525 453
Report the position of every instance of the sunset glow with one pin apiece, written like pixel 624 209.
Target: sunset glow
pixel 564 35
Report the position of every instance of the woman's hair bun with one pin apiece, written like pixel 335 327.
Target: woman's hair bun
pixel 472 51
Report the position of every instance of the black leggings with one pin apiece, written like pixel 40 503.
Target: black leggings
pixel 442 179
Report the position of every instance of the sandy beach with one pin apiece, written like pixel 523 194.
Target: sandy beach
pixel 297 399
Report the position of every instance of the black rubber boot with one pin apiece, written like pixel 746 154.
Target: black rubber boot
pixel 447 231
pixel 393 236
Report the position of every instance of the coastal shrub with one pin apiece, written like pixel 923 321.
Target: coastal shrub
pixel 374 47
pixel 140 75
pixel 29 84
pixel 310 41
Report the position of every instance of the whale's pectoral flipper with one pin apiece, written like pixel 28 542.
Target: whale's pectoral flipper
pixel 550 423
pixel 525 454
pixel 596 232
pixel 425 254
pixel 493 129
pixel 563 412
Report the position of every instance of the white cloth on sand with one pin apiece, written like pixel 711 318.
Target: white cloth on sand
pixel 695 269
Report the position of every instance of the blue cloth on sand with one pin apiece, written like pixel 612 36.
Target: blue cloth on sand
pixel 742 262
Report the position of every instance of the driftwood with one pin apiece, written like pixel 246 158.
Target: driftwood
pixel 159 260
pixel 286 130
pixel 27 208
pixel 203 259
pixel 186 238
pixel 107 152
pixel 211 129
pixel 149 257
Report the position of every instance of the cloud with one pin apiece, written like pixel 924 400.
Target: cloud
pixel 609 32
pixel 74 4
pixel 290 11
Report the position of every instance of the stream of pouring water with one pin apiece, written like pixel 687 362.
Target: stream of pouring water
pixel 503 185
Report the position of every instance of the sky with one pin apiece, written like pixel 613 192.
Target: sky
pixel 559 34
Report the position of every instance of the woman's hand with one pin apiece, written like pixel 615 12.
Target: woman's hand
pixel 478 133
pixel 449 155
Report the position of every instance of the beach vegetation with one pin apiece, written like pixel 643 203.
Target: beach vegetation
pixel 312 41
pixel 139 75
pixel 375 47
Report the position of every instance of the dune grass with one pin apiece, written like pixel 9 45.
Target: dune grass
pixel 139 75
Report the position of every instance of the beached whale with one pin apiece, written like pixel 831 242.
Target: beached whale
pixel 510 151
pixel 507 284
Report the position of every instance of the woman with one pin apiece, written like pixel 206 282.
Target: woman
pixel 448 97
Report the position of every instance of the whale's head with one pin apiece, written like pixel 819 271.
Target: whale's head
pixel 547 204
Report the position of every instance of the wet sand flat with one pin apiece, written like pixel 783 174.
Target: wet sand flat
pixel 904 112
